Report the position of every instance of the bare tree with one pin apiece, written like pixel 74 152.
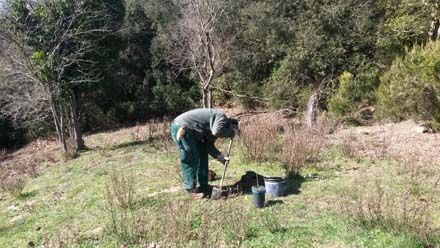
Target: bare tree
pixel 200 45
pixel 22 98
pixel 313 102
pixel 434 9
pixel 49 61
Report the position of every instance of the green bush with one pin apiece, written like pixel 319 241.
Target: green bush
pixel 411 87
pixel 284 88
pixel 341 103
pixel 354 92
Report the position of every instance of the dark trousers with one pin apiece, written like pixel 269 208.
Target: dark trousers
pixel 193 155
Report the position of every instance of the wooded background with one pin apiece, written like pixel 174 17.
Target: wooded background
pixel 69 66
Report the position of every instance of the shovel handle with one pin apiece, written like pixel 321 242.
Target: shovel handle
pixel 226 163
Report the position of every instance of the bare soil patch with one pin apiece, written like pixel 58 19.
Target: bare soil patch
pixel 396 140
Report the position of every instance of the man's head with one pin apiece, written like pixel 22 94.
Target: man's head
pixel 233 123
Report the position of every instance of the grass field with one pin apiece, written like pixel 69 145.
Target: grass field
pixel 125 192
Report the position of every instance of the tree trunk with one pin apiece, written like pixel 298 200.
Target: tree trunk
pixel 434 29
pixel 207 96
pixel 312 109
pixel 76 124
pixel 58 123
pixel 205 99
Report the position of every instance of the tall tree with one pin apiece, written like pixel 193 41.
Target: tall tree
pixel 63 46
pixel 199 43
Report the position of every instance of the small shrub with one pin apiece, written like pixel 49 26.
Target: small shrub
pixel 27 168
pixel 341 103
pixel 350 146
pixel 259 141
pixel 127 223
pixel 382 148
pixel 236 222
pixel 121 189
pixel 158 133
pixel 69 237
pixel 32 170
pixel 178 225
pixel 134 135
pixel 13 185
pixel 300 146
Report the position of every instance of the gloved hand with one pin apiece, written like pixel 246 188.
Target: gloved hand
pixel 222 158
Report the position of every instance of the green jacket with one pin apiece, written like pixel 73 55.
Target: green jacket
pixel 207 125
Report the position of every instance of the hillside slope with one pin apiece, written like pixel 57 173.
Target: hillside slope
pixel 125 192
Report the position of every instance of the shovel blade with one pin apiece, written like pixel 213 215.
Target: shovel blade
pixel 216 194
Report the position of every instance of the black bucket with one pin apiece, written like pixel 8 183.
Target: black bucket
pixel 258 194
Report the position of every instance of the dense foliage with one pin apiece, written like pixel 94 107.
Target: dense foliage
pixel 264 53
pixel 411 88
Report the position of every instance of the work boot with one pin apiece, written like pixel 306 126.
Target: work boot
pixel 194 193
pixel 205 189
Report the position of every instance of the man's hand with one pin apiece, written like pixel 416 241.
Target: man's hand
pixel 226 159
pixel 222 158
pixel 236 132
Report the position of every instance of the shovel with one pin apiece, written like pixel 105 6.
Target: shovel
pixel 217 192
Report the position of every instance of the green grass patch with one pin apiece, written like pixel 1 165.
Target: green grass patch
pixel 68 205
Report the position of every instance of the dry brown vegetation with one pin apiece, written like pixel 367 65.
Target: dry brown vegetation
pixel 400 199
pixel 29 161
pixel 156 132
pixel 301 146
pixel 128 223
pixel 391 141
pixel 280 140
pixel 174 223
pixel 13 185
pixel 259 140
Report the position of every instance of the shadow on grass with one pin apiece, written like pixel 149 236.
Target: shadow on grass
pixel 153 142
pixel 248 180
pixel 273 203
pixel 294 184
pixel 131 144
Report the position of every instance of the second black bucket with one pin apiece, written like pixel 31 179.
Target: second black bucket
pixel 258 193
pixel 275 186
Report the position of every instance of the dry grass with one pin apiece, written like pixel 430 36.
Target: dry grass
pixel 121 190
pixel 177 226
pixel 128 223
pixel 31 160
pixel 259 140
pixel 301 146
pixel 350 146
pixel 403 201
pixel 68 237
pixel 13 185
